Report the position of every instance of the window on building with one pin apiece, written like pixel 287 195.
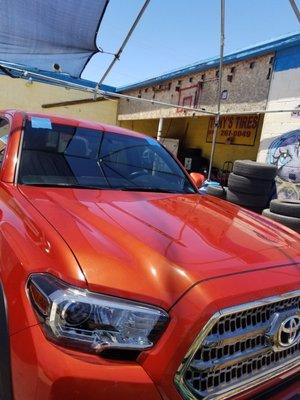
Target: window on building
pixel 232 70
pixel 229 78
pixel 271 60
pixel 224 95
pixel 252 65
pixel 203 77
pixel 191 79
pixel 217 73
pixel 146 90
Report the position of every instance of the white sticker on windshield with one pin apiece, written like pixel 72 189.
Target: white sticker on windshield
pixel 41 123
pixel 4 139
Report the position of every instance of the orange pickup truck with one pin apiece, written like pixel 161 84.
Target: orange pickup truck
pixel 120 281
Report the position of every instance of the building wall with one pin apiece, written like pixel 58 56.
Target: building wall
pixel 192 133
pixel 246 82
pixel 171 128
pixel 280 141
pixel 18 93
pixel 196 136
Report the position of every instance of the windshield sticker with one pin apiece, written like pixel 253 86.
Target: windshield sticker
pixel 41 123
pixel 4 139
pixel 152 141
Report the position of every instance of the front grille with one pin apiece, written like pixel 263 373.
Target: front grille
pixel 236 350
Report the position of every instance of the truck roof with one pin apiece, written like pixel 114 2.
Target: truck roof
pixel 65 120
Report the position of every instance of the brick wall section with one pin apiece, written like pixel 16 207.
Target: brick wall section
pixel 248 91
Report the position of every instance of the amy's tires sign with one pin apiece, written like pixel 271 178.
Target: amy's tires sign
pixel 235 129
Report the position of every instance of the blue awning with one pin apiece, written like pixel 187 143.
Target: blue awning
pixel 43 33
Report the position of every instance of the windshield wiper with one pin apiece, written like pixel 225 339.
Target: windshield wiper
pixel 148 189
pixel 65 185
pixel 129 188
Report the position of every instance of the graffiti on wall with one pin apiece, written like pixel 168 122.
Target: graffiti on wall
pixel 284 152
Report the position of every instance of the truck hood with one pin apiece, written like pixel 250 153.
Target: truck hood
pixel 153 247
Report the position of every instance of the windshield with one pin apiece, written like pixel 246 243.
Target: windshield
pixel 67 156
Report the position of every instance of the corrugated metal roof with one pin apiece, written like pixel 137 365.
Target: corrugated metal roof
pixel 269 46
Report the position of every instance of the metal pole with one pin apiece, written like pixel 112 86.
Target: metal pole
pixel 119 52
pixel 217 116
pixel 296 9
pixel 159 130
pixel 258 112
pixel 102 93
pixel 156 102
pixel 109 95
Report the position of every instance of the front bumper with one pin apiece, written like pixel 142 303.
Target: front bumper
pixel 191 313
pixel 44 371
pixel 289 389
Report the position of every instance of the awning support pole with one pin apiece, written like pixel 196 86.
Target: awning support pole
pixel 103 93
pixel 296 9
pixel 119 52
pixel 159 130
pixel 114 95
pixel 217 116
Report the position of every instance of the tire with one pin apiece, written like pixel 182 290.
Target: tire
pixel 290 208
pixel 290 222
pixel 217 191
pixel 252 169
pixel 252 201
pixel 243 184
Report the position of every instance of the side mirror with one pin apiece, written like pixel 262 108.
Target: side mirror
pixel 197 178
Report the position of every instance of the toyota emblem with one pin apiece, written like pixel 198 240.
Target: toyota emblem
pixel 289 332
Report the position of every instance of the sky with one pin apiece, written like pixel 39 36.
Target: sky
pixel 174 33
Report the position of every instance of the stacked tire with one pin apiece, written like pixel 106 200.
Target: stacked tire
pixel 250 184
pixel 286 212
pixel 217 191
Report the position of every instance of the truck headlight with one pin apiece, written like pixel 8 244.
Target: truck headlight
pixel 93 322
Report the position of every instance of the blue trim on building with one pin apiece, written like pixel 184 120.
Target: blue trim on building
pixel 287 49
pixel 58 75
pixel 283 42
pixel 287 59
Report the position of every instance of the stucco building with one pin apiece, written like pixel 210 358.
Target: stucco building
pixel 280 137
pixel 36 96
pixel 262 77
